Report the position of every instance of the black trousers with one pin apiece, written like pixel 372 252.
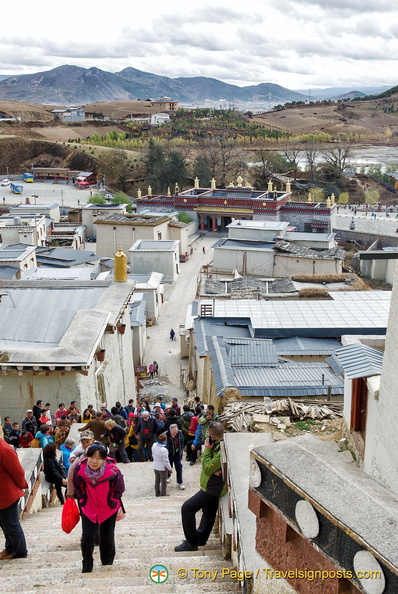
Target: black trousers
pixel 107 541
pixel 192 455
pixel 209 506
pixel 142 443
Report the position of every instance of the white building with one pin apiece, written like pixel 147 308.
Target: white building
pixel 158 256
pixel 19 256
pixel 29 229
pixel 151 285
pixel 256 230
pixel 124 230
pixel 51 211
pixel 92 212
pixel 52 332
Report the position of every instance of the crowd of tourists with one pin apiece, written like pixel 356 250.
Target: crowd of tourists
pixel 88 471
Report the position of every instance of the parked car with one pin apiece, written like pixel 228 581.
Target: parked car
pixel 5 182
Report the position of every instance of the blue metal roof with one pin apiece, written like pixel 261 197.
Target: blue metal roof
pixel 306 346
pixel 137 310
pixel 285 378
pixel 360 360
pixel 60 256
pixel 205 328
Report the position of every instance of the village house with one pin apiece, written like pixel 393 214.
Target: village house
pixel 211 324
pixel 19 257
pixel 26 228
pixel 158 256
pixel 70 114
pixel 91 212
pixel 65 341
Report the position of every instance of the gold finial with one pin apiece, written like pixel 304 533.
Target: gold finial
pixel 231 185
pixel 309 197
pixel 120 269
pixel 139 194
pixel 328 202
pixel 288 187
pixel 213 184
pixel 269 189
pixel 168 192
pixel 239 181
pixel 149 190
pixel 196 183
pixel 333 198
pixel 176 189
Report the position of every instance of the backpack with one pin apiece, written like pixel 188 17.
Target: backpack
pixel 35 443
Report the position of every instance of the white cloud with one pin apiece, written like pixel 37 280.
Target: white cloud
pixel 294 44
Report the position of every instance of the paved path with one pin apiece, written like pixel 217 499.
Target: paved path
pixel 173 313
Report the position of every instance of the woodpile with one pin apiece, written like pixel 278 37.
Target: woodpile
pixel 247 416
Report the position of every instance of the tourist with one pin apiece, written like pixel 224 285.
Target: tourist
pixel 155 368
pixel 44 435
pixel 147 428
pixel 175 447
pixel 67 448
pixel 53 471
pixel 161 465
pixel 14 437
pixel 212 487
pixel 185 421
pixel 172 334
pixel 99 486
pixel 12 480
pixel 37 411
pixel 175 406
pixel 29 423
pixel 117 436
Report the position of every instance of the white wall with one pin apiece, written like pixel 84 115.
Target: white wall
pixel 382 436
pixel 289 265
pixel 257 262
pixel 167 262
pixel 18 393
pixel 110 237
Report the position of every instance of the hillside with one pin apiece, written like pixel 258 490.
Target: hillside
pixel 375 119
pixel 72 85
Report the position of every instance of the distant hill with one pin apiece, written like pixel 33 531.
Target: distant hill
pixel 72 85
pixel 333 92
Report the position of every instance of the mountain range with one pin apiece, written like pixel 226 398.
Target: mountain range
pixel 73 85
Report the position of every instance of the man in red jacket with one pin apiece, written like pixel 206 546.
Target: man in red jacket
pixel 12 481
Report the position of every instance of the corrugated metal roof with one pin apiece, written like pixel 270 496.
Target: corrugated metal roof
pixel 60 256
pixel 237 244
pixel 334 363
pixel 41 316
pixel 251 352
pixel 205 328
pixel 306 346
pixel 286 378
pixel 137 311
pixel 360 360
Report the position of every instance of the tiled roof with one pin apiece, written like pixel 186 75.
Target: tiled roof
pixel 306 252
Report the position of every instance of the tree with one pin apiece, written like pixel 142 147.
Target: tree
pixel 122 198
pixel 292 154
pixel 312 152
pixel 338 157
pixel 372 196
pixel 223 158
pixel 344 198
pixel 115 165
pixel 268 162
pixel 183 217
pixel 201 170
pixel 96 199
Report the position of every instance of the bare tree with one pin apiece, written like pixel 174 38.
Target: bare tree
pixel 312 153
pixel 338 157
pixel 224 160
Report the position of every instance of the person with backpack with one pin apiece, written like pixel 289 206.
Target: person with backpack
pixel 185 421
pixel 117 436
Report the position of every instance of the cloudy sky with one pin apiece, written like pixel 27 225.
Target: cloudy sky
pixel 297 44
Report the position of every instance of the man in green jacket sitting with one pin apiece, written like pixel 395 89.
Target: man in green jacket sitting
pixel 212 487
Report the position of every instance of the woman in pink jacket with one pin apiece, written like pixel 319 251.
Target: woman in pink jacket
pixel 99 485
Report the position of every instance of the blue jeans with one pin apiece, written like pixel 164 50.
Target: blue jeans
pixel 15 538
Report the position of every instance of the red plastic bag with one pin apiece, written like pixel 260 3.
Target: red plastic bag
pixel 70 515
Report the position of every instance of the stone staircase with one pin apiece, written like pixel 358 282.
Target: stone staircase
pixel 145 538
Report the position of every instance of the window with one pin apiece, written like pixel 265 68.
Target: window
pixel 159 235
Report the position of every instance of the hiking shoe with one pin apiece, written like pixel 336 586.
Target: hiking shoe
pixel 192 463
pixel 185 546
pixel 5 556
pixel 181 485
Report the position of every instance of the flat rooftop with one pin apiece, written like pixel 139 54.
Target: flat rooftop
pixel 350 312
pixel 260 225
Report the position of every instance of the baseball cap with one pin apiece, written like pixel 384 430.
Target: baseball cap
pixel 86 435
pixel 174 399
pixel 29 410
